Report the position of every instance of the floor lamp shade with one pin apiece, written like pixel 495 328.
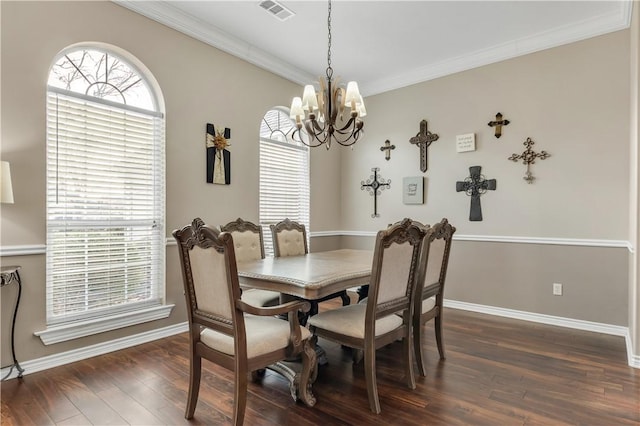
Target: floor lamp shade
pixel 6 189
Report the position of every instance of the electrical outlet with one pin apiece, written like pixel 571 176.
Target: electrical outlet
pixel 557 289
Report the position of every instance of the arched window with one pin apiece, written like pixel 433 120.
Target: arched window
pixel 105 192
pixel 284 174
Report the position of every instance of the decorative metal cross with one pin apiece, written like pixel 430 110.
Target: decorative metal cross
pixel 528 157
pixel 387 149
pixel 423 139
pixel 498 123
pixel 374 185
pixel 475 185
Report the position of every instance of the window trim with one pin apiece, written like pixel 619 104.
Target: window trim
pixel 70 331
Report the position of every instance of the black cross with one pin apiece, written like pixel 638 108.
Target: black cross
pixel 423 140
pixel 528 157
pixel 475 185
pixel 387 148
pixel 374 187
pixel 498 123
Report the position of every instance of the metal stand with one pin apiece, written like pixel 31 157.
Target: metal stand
pixel 8 275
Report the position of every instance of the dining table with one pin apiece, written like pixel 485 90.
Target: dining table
pixel 312 277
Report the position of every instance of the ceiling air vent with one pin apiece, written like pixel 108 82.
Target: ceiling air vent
pixel 278 10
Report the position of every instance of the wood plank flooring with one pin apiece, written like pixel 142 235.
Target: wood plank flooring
pixel 498 372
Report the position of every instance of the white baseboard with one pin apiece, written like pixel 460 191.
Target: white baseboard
pixel 597 327
pixel 68 357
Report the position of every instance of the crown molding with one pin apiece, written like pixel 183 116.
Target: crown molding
pixel 172 17
pixel 603 24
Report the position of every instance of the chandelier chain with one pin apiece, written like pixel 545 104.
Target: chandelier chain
pixel 318 115
pixel 329 69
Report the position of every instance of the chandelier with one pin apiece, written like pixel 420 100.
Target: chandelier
pixel 322 113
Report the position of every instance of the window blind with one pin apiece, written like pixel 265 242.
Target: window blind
pixel 284 185
pixel 105 208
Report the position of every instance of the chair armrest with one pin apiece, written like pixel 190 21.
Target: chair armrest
pixel 291 308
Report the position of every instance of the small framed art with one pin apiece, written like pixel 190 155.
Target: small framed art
pixel 413 190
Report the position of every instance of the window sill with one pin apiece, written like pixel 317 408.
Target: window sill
pixel 66 332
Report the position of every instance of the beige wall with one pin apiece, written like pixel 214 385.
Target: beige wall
pixel 573 101
pixel 200 84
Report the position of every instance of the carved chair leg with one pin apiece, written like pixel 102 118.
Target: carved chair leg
pixel 417 347
pixel 240 398
pixel 308 373
pixel 194 386
pixel 408 361
pixel 370 375
pixel 439 341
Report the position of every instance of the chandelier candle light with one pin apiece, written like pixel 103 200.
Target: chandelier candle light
pixel 322 112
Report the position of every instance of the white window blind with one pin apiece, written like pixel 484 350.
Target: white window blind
pixel 284 175
pixel 105 207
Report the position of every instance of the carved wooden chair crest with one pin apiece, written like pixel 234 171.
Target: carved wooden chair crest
pixel 220 331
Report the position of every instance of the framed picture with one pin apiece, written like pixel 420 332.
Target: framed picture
pixel 413 190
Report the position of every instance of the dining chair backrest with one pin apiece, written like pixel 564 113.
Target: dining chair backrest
pixel 437 258
pixel 396 256
pixel 289 238
pixel 247 239
pixel 210 277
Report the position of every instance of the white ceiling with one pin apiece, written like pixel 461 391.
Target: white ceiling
pixel 385 45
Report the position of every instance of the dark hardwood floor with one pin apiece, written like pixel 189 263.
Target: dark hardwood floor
pixel 498 372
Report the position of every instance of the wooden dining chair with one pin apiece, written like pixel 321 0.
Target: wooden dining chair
pixel 249 245
pixel 434 260
pixel 371 325
pixel 290 239
pixel 220 327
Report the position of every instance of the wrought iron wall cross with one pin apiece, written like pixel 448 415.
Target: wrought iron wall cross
pixel 528 157
pixel 423 139
pixel 374 185
pixel 474 186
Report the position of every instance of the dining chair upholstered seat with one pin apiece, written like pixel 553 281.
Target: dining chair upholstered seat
pixel 371 325
pixel 248 242
pixel 290 239
pixel 228 331
pixel 434 261
pixel 264 335
pixel 350 320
